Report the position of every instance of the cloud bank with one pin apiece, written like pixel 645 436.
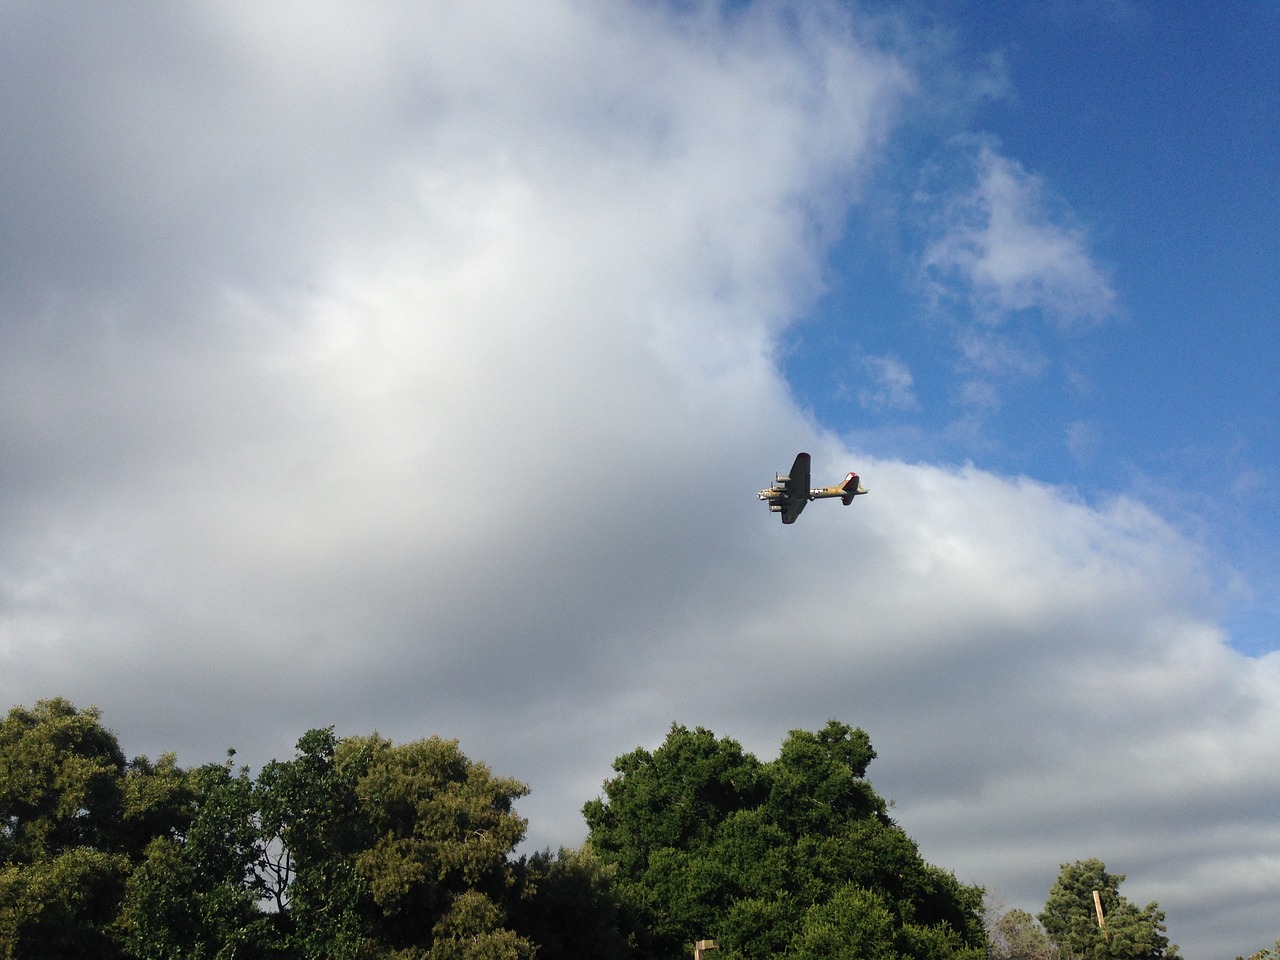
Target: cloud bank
pixel 413 369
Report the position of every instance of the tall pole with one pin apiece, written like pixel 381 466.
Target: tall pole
pixel 1097 905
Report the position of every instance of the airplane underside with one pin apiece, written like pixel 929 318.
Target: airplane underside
pixel 788 495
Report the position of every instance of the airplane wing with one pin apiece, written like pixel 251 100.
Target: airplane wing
pixel 788 495
pixel 796 493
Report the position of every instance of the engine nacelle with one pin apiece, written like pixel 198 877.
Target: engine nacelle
pixel 775 508
pixel 781 481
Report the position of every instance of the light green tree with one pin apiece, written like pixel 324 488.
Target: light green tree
pixel 61 782
pixel 1272 953
pixel 64 841
pixel 63 907
pixel 394 850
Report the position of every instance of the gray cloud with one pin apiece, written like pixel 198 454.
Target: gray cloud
pixel 415 371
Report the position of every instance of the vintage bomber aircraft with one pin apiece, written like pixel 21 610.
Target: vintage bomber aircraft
pixel 789 494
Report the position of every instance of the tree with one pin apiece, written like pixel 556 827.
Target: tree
pixel 1017 935
pixel 362 849
pixel 394 850
pixel 1273 953
pixel 61 776
pixel 654 825
pixel 65 842
pixel 854 924
pixel 671 798
pixel 356 848
pixel 565 904
pixel 197 893
pixel 794 856
pixel 63 907
pixel 1070 919
pixel 158 801
pixel 105 858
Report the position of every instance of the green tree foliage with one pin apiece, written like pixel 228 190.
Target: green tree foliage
pixel 63 907
pixel 795 856
pixel 309 807
pixel 565 904
pixel 197 894
pixel 1272 953
pixel 394 850
pixel 855 924
pixel 1070 918
pixel 74 818
pixel 355 848
pixel 361 848
pixel 159 801
pixel 61 783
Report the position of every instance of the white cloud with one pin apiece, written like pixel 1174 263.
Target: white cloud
pixel 980 396
pixel 1002 247
pixel 893 387
pixel 1082 440
pixel 435 399
pixel 999 356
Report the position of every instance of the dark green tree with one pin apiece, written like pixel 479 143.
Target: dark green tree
pixel 655 823
pixel 794 856
pixel 673 798
pixel 854 924
pixel 1070 917
pixel 197 894
pixel 565 904
pixel 310 809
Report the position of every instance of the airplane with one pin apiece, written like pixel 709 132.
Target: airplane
pixel 788 495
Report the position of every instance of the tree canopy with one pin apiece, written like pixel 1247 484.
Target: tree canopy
pixel 358 848
pixel 1070 917
pixel 1271 953
pixel 795 856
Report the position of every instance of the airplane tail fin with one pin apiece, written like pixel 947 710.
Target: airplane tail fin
pixel 852 486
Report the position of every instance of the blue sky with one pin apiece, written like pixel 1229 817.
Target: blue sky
pixel 1154 130
pixel 412 367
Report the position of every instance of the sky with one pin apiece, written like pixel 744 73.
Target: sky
pixel 413 368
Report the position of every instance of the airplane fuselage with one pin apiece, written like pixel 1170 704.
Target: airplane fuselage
pixel 788 495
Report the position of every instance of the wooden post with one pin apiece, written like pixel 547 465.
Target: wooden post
pixel 702 946
pixel 1097 905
